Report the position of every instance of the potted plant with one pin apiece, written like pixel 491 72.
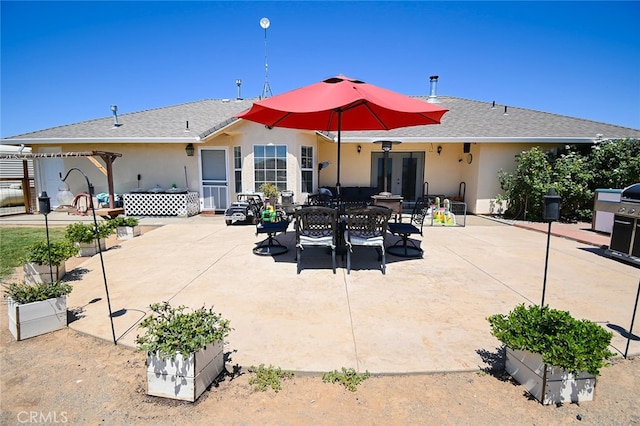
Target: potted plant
pixel 36 309
pixel 86 237
pixel 36 260
pixel 271 193
pixel 184 350
pixel 126 227
pixel 555 356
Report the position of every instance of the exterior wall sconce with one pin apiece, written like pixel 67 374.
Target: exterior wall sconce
pixel 359 149
pixel 439 149
pixel 189 150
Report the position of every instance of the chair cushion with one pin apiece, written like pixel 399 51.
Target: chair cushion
pixel 362 241
pixel 316 241
pixel 403 228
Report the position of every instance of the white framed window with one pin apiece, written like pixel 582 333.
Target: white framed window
pixel 237 168
pixel 270 165
pixel 306 167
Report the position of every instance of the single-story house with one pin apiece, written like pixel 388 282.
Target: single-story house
pixel 203 147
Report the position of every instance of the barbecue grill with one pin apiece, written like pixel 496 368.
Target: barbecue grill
pixel 625 237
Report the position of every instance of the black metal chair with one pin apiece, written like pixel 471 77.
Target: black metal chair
pixel 404 230
pixel 270 246
pixel 367 227
pixel 316 227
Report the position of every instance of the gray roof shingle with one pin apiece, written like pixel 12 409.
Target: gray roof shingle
pixel 466 119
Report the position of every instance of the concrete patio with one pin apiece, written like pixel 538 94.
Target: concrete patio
pixel 424 315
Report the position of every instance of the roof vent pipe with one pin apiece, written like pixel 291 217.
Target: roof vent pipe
pixel 114 109
pixel 433 97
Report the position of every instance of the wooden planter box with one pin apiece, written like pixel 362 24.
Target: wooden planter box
pixel 90 249
pixel 33 319
pixel 548 384
pixel 185 378
pixel 34 273
pixel 127 232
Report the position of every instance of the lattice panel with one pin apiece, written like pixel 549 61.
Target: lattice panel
pixel 162 204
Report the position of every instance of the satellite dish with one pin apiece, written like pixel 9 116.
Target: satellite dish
pixel 264 23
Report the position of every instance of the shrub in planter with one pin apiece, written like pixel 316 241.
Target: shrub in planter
pixel 555 346
pixel 36 260
pixel 36 309
pixel 38 252
pixel 126 227
pixel 184 350
pixel 124 221
pixel 84 232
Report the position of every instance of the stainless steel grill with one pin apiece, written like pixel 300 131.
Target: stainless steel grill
pixel 625 237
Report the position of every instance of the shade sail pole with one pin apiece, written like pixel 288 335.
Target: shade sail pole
pixel 338 171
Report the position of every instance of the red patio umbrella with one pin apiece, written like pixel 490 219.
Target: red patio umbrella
pixel 342 103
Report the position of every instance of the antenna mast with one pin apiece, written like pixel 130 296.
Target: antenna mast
pixel 264 23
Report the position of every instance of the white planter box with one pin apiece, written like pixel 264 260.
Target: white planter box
pixel 34 273
pixel 33 319
pixel 127 232
pixel 90 249
pixel 548 384
pixel 185 378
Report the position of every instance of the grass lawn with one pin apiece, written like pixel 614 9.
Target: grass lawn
pixel 14 242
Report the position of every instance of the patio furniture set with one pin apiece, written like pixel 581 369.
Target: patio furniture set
pixel 339 229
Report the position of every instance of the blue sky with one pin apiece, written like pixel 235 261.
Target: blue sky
pixel 64 62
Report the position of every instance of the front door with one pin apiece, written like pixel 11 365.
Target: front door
pixel 215 179
pixel 405 172
pixel 48 174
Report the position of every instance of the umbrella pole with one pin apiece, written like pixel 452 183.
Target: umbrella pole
pixel 338 172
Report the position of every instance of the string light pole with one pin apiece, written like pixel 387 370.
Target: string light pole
pixel 44 205
pixel 551 214
pixel 66 197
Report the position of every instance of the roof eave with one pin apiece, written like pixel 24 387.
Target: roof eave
pixel 460 139
pixel 58 141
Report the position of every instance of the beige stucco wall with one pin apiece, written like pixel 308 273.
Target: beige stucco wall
pixel 164 164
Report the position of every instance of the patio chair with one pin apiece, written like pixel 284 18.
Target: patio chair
pixel 316 227
pixel 367 227
pixel 323 200
pixel 404 230
pixel 270 246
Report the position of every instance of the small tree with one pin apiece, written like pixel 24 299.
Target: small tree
pixel 528 184
pixel 572 179
pixel 615 163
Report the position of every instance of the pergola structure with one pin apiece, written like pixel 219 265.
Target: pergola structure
pixel 107 157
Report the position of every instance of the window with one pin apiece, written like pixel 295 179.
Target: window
pixel 270 165
pixel 237 168
pixel 306 165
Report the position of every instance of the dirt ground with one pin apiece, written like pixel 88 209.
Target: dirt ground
pixel 67 377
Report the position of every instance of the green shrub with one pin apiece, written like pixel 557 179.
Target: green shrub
pixel 268 377
pixel 85 233
pixel 27 293
pixel 349 378
pixel 563 341
pixel 124 221
pixel 38 252
pixel 171 330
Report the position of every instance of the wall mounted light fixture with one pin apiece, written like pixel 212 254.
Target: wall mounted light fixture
pixel 439 149
pixel 189 149
pixel 359 149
